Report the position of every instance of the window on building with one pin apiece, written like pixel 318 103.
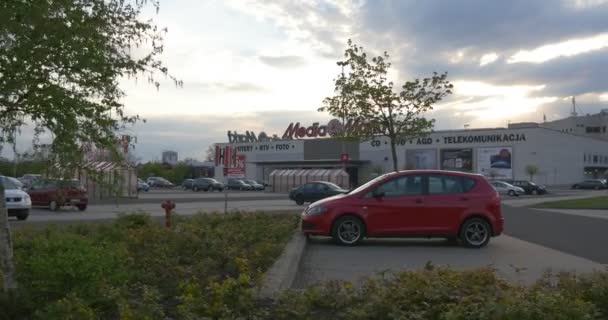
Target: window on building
pixel 604 129
pixel 595 159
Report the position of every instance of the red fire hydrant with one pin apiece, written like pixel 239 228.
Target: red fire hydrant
pixel 168 205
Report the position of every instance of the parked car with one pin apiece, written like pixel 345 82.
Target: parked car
pixel 255 185
pixel 142 186
pixel 28 179
pixel 56 193
pixel 507 188
pixel 16 182
pixel 207 184
pixel 314 191
pixel 412 203
pixel 151 180
pixel 528 186
pixel 18 202
pixel 187 184
pixel 238 184
pixel 159 182
pixel 591 184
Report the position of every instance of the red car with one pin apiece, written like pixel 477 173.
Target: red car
pixel 414 203
pixel 56 193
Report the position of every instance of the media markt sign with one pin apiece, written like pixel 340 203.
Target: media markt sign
pixel 332 128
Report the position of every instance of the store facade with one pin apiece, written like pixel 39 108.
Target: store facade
pixel 502 153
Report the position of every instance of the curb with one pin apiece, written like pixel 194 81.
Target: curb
pixel 283 272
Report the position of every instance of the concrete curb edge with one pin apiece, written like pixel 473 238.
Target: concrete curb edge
pixel 282 274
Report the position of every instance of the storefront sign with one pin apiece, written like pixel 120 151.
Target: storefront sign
pixel 490 138
pixel 332 128
pixel 485 138
pixel 250 136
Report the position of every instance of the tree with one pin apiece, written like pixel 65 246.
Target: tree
pixel 531 170
pixel 210 153
pixel 366 96
pixel 60 66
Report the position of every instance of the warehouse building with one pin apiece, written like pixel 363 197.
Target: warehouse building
pixel 503 153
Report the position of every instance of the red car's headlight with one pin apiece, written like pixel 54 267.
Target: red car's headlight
pixel 319 209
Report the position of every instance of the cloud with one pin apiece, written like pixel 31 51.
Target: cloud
pixel 246 87
pixel 283 61
pixel 323 25
pixel 562 49
pixel 487 59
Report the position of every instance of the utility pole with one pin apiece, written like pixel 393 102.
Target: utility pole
pixel 343 119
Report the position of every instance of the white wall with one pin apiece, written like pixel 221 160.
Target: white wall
pixel 558 155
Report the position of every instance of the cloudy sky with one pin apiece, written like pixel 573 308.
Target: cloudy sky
pixel 261 64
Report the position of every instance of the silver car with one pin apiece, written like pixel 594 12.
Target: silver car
pixel 506 188
pixel 18 202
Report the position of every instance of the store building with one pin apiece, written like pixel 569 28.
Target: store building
pixel 502 153
pixel 590 125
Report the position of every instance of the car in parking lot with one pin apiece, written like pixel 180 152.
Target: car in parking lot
pixel 507 188
pixel 595 184
pixel 18 202
pixel 28 179
pixel 528 186
pixel 187 184
pixel 142 186
pixel 207 184
pixel 314 191
pixel 412 203
pixel 159 182
pixel 255 185
pixel 238 184
pixel 57 193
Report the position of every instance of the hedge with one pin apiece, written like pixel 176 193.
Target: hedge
pixel 134 268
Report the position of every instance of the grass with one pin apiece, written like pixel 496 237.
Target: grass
pixel 585 203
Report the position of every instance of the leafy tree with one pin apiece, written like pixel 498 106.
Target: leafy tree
pixel 366 96
pixel 60 66
pixel 531 170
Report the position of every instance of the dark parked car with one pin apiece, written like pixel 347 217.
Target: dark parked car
pixel 413 203
pixel 187 184
pixel 314 191
pixel 255 185
pixel 238 184
pixel 591 184
pixel 207 184
pixel 56 193
pixel 528 186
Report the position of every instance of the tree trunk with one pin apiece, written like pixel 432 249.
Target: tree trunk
pixel 394 154
pixel 6 248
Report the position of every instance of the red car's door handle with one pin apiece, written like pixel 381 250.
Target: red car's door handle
pixel 464 199
pixel 419 201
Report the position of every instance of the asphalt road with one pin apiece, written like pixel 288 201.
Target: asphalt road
pixel 582 236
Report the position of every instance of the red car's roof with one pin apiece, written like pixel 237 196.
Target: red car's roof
pixel 431 171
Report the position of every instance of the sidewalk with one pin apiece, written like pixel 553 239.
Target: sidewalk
pixel 526 202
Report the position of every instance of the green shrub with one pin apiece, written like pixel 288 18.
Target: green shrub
pixel 135 268
pixel 441 293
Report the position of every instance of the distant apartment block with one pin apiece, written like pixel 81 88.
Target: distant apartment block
pixel 169 157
